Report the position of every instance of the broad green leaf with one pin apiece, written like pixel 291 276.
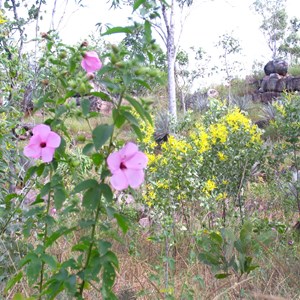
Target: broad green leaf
pixel 45 189
pixel 84 185
pixel 57 234
pixel 33 270
pixel 88 148
pixel 118 30
pixel 106 192
pixel 59 197
pixel 123 222
pixel 139 109
pixel 103 247
pixel 101 134
pixel 137 4
pixel 101 95
pixel 91 198
pixel 85 106
pixel 148 34
pixel 49 260
pixel 118 117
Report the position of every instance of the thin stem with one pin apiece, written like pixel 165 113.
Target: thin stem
pixel 90 247
pixel 44 241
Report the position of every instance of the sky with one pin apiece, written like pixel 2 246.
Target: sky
pixel 206 22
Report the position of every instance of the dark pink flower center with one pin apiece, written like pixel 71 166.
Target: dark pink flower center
pixel 43 144
pixel 122 166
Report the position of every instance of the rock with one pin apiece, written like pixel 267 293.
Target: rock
pixel 276 66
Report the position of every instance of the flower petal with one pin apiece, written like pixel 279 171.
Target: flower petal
pixel 47 154
pixel 138 161
pixel 33 151
pixel 91 62
pixel 35 140
pixel 128 151
pixel 114 162
pixel 134 177
pixel 42 130
pixel 119 181
pixel 53 140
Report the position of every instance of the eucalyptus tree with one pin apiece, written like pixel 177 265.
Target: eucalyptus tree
pixel 291 45
pixel 230 48
pixel 274 22
pixel 163 16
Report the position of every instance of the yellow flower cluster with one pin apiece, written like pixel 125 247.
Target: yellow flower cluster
pixel 222 156
pixel 148 131
pixel 218 133
pixel 236 119
pixel 209 186
pixel 200 139
pixel 175 146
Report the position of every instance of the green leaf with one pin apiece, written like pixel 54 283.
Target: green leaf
pixel 85 106
pixel 148 34
pixel 45 189
pixel 222 276
pixel 137 4
pixel 101 134
pixel 87 149
pixel 106 192
pixel 118 118
pixel 131 118
pixel 91 198
pixel 84 185
pixel 12 281
pixel 33 270
pixel 139 109
pixel 123 222
pixel 97 159
pixel 59 197
pixel 57 234
pixel 103 247
pixel 101 95
pixel 119 29
pixel 49 260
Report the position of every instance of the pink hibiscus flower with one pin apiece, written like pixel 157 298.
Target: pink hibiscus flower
pixel 127 167
pixel 42 144
pixel 91 62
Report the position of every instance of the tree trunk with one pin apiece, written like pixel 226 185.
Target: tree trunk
pixel 171 56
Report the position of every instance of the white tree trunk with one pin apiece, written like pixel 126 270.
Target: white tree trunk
pixel 171 57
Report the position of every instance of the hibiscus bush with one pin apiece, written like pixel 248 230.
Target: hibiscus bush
pixel 59 207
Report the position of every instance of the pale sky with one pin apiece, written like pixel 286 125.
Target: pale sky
pixel 206 21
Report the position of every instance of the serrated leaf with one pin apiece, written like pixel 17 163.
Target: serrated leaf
pixel 101 134
pixel 57 234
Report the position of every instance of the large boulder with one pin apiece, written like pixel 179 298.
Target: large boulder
pixel 276 66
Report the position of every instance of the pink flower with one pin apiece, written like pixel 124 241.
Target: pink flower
pixel 91 62
pixel 127 167
pixel 42 144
